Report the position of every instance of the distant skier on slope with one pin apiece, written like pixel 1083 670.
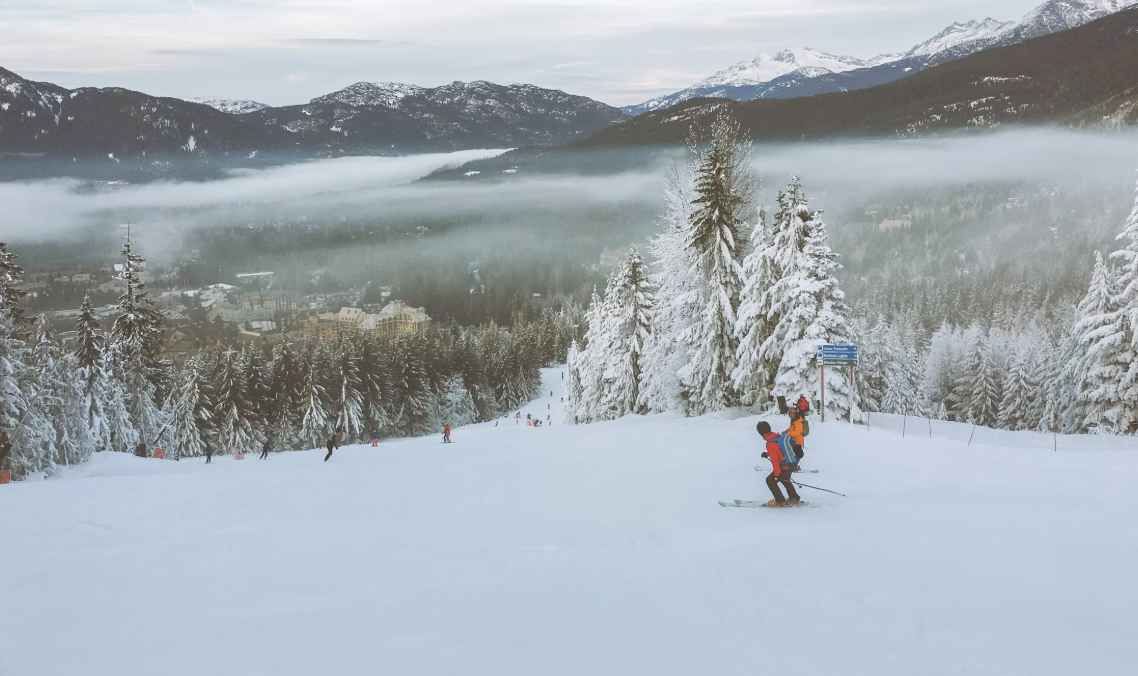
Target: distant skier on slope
pixel 208 451
pixel 803 405
pixel 782 460
pixel 265 451
pixel 333 444
pixel 446 434
pixel 374 438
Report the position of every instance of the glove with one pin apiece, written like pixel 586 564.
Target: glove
pixel 766 455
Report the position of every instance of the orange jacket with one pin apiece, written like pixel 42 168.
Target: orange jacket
pixel 795 431
pixel 774 453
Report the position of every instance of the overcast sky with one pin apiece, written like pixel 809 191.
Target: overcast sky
pixel 289 51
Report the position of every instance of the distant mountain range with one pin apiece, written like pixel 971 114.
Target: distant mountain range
pixel 805 72
pixel 233 106
pixel 43 119
pixel 1086 77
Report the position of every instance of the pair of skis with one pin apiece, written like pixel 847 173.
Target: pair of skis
pixel 760 468
pixel 756 504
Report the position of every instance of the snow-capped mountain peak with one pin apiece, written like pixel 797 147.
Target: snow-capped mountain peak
pixel 363 94
pixel 766 67
pixel 959 34
pixel 1059 15
pixel 232 106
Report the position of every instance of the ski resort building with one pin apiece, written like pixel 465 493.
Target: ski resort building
pixel 394 319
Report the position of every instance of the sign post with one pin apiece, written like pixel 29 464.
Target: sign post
pixel 836 355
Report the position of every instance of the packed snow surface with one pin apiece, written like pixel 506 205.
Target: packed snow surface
pixel 596 549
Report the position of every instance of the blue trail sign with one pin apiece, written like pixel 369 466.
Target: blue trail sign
pixel 842 355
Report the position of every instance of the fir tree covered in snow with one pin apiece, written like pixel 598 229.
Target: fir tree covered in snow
pixel 805 305
pixel 676 305
pixel 573 389
pixel 11 295
pixel 192 414
pixel 1111 389
pixel 608 371
pixel 629 304
pixel 350 418
pixel 717 239
pixel 137 331
pixel 1095 345
pixel 982 383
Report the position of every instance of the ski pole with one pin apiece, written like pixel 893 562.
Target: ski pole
pixel 816 488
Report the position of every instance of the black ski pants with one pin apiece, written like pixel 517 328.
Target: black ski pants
pixel 329 453
pixel 784 479
pixel 265 454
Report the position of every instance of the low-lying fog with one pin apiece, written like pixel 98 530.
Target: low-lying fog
pixel 368 219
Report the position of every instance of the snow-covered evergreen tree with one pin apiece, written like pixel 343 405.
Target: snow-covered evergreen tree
pixel 192 414
pixel 233 413
pixel 11 294
pixel 590 360
pixel 18 453
pixel 88 336
pixel 676 307
pixel 452 406
pixel 285 407
pixel 573 389
pixel 608 370
pixel 888 377
pixel 1109 394
pixel 983 383
pixel 809 308
pixel 1019 392
pixel 137 331
pixel 350 419
pixel 717 239
pixel 752 377
pixel 124 436
pixel 314 426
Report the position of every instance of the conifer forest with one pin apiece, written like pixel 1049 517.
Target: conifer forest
pixel 736 300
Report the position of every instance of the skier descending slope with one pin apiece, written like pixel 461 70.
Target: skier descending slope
pixel 332 445
pixel 781 454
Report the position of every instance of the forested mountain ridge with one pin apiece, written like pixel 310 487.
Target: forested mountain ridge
pixel 1084 77
pixel 387 117
pixel 39 118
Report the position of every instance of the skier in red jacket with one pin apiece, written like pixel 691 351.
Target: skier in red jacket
pixel 803 405
pixel 781 465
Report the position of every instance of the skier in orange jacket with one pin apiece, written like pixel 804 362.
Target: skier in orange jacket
pixel 796 430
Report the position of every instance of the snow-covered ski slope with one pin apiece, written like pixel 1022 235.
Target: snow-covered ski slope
pixel 596 549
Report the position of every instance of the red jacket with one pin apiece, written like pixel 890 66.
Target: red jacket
pixel 774 453
pixel 802 404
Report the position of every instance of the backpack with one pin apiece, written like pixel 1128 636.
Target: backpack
pixel 805 428
pixel 786 445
